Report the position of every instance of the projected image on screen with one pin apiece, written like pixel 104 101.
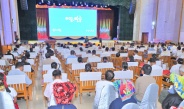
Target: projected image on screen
pixel 72 22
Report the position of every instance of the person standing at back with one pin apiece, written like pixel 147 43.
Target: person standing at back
pixel 143 82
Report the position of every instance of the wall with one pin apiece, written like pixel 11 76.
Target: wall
pixel 27 21
pixel 167 17
pixel 181 39
pixel 144 16
pixel 168 20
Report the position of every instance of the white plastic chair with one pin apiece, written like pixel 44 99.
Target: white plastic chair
pixel 105 65
pixel 130 106
pixel 47 78
pixel 123 74
pixel 6 101
pixel 150 97
pixel 108 94
pixel 132 64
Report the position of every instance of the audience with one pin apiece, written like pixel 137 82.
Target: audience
pixel 109 75
pixel 143 82
pixel 19 67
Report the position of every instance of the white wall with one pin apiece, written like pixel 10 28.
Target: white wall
pixel 182 26
pixel 168 20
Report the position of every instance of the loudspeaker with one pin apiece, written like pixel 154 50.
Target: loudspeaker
pixel 24 4
pixel 132 7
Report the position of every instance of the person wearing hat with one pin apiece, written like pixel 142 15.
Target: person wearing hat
pixel 126 90
pixel 143 82
pixel 175 68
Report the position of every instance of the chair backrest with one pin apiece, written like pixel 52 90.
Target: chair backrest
pixel 31 61
pixel 108 94
pixel 152 52
pixel 16 79
pixel 149 101
pixel 123 54
pixel 99 51
pixel 88 76
pixel 27 68
pixel 94 59
pixel 47 78
pixel 86 55
pixel 72 60
pixel 123 74
pixel 2 62
pixel 156 72
pixel 33 55
pixel 159 63
pixel 78 66
pixel 105 65
pixel 6 101
pixel 131 106
pixel 132 64
pixel 105 55
pixel 8 56
pixel 46 67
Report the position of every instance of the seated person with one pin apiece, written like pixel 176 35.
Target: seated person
pixel 125 66
pixel 79 59
pixel 53 67
pixel 175 68
pixel 6 61
pixel 141 85
pixel 112 49
pixel 131 59
pixel 23 60
pixel 27 55
pixel 155 68
pixel 122 50
pixel 118 54
pixel 89 52
pixel 126 90
pixel 56 97
pixel 48 60
pixel 136 56
pixel 9 53
pixel 19 71
pixel 154 56
pixel 165 53
pixel 105 60
pixel 11 92
pixel 31 50
pixel 109 75
pixel 15 50
pixel 72 55
pixel 151 48
pixel 88 67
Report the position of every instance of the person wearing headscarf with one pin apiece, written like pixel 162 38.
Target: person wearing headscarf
pixel 126 90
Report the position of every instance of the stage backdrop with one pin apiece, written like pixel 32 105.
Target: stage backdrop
pixel 105 20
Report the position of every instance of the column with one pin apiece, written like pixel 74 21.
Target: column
pixel 181 38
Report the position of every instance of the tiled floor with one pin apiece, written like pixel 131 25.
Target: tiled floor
pixel 38 101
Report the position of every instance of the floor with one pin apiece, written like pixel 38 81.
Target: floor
pixel 38 101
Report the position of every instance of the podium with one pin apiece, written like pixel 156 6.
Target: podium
pixel 51 42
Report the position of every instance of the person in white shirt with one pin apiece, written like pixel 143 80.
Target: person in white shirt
pixel 93 56
pixel 175 68
pixel 49 88
pixel 136 56
pixel 156 69
pixel 53 67
pixel 165 53
pixel 109 75
pixel 179 52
